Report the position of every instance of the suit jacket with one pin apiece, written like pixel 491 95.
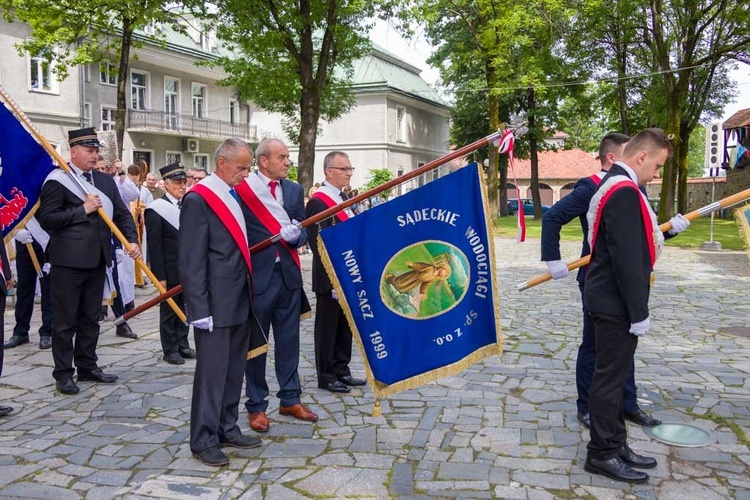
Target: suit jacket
pixel 575 204
pixel 215 279
pixel 263 261
pixel 618 279
pixel 7 272
pixel 321 283
pixel 76 239
pixel 162 247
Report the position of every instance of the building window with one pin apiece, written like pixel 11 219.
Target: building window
pixel 200 161
pixel 41 78
pixel 234 111
pixel 108 119
pixel 171 102
pixel 400 124
pixel 87 114
pixel 139 90
pixel 173 157
pixel 199 100
pixel 107 73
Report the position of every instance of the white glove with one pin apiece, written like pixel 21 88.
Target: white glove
pixel 679 224
pixel 204 323
pixel 290 233
pixel 640 328
pixel 333 295
pixel 119 255
pixel 23 236
pixel 557 268
pixel 46 268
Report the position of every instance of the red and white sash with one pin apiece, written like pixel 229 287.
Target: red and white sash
pixel 256 195
pixel 654 236
pixel 215 192
pixel 331 198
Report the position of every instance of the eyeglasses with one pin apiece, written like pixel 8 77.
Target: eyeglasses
pixel 343 169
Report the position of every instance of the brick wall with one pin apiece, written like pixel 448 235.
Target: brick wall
pixel 699 189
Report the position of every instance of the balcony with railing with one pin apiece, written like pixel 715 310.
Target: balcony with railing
pixel 187 125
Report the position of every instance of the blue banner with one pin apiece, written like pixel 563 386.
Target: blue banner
pixel 415 277
pixel 24 165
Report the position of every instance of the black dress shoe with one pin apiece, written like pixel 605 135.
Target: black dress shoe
pixel 640 417
pixel 187 353
pixel 96 375
pixel 212 456
pixel 15 341
pixel 102 315
pixel 349 380
pixel 584 419
pixel 633 459
pixel 616 469
pixel 124 330
pixel 67 386
pixel 335 386
pixel 241 442
pixel 5 410
pixel 45 342
pixel 174 358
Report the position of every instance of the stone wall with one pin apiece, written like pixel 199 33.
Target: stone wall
pixel 699 189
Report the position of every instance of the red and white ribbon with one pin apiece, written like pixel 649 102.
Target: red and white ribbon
pixel 505 145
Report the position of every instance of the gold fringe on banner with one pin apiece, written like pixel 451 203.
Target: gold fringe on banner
pixel 742 215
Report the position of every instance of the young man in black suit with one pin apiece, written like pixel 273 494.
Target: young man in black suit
pixel 272 205
pixel 215 269
pixel 162 225
pixel 79 250
pixel 625 241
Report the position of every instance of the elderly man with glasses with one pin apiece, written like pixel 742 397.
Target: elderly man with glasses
pixel 333 337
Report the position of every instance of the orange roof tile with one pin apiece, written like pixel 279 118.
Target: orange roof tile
pixel 569 164
pixel 740 119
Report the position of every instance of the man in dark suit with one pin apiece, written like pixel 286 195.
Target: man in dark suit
pixel 333 337
pixel 274 205
pixel 162 224
pixel 31 239
pixel 625 241
pixel 7 284
pixel 572 206
pixel 216 282
pixel 79 249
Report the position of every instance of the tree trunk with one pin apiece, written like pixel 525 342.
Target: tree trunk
pixel 669 176
pixel 533 155
pixel 492 180
pixel 681 156
pixel 122 84
pixel 308 134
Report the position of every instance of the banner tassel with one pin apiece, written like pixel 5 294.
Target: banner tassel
pixel 376 408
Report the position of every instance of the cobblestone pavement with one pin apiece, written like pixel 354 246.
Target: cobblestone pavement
pixel 504 428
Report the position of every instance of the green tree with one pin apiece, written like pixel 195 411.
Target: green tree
pixel 73 32
pixel 378 177
pixel 697 154
pixel 295 58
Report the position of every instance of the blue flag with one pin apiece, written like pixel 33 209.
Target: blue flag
pixel 24 165
pixel 416 280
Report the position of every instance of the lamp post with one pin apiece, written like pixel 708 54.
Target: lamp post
pixel 711 244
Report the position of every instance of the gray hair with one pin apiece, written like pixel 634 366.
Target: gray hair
pixel 330 156
pixel 264 148
pixel 229 147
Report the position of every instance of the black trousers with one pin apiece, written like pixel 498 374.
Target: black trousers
pixel 279 307
pixel 172 331
pixel 615 347
pixel 333 340
pixel 3 299
pixel 76 305
pixel 26 289
pixel 217 385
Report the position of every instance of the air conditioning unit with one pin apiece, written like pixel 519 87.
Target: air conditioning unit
pixel 191 145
